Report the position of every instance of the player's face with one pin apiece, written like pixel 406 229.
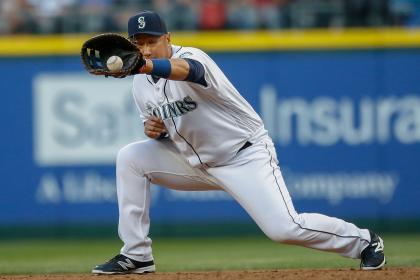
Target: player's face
pixel 152 46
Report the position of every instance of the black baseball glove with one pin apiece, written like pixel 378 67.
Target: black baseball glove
pixel 96 51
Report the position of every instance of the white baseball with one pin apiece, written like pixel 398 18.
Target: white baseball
pixel 114 63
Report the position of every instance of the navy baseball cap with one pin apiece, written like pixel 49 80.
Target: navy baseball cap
pixel 146 22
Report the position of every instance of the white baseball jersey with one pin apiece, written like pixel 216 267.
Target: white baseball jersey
pixel 208 124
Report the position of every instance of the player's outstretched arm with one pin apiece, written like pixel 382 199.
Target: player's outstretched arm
pixel 177 69
pixel 173 69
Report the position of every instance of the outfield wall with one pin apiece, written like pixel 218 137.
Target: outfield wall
pixel 342 108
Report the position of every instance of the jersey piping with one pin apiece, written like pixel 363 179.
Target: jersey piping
pixel 178 50
pixel 147 78
pixel 176 129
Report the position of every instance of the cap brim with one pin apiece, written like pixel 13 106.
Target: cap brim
pixel 148 33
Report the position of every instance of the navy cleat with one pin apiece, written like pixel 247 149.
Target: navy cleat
pixel 121 264
pixel 372 257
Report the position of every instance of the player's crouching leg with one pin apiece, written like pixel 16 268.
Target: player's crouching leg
pixel 329 234
pixel 133 201
pixel 286 233
pixel 130 158
pixel 124 159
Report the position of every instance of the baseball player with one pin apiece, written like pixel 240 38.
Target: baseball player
pixel 205 136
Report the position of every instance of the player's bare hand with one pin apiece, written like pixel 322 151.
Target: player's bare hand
pixel 154 127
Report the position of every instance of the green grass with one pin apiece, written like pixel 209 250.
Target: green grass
pixel 192 254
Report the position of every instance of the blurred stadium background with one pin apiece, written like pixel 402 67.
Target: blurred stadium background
pixel 337 83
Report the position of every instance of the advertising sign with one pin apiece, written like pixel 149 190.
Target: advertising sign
pixel 346 127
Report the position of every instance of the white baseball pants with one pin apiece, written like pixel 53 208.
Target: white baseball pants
pixel 252 178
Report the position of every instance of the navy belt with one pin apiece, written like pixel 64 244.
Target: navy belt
pixel 246 145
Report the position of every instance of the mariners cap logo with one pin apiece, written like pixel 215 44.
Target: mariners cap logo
pixel 146 22
pixel 141 22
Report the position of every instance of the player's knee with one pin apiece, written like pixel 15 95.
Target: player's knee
pixel 287 234
pixel 130 157
pixel 124 155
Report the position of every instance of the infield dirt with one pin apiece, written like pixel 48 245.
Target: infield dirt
pixel 293 274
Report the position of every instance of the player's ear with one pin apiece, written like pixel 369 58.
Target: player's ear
pixel 168 38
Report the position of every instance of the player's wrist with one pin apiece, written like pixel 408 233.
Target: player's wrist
pixel 160 67
pixel 147 67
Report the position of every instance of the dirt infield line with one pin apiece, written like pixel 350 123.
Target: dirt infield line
pixel 283 274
